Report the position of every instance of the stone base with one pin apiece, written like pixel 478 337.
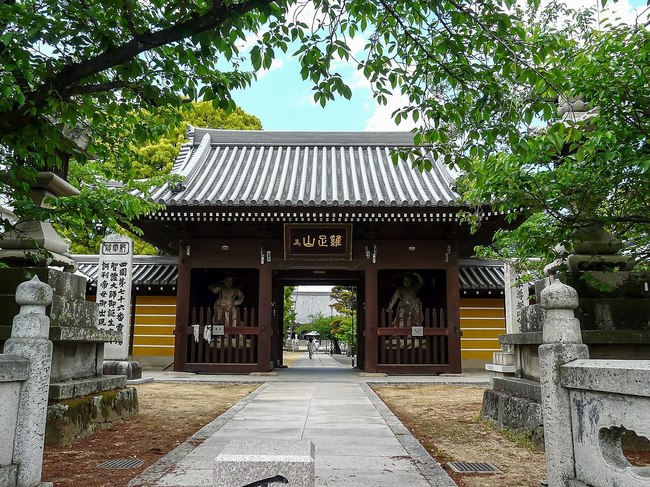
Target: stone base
pixel 73 418
pixel 131 369
pixel 72 389
pixel 516 413
pixel 243 462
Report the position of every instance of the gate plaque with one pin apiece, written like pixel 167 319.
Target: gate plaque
pixel 321 242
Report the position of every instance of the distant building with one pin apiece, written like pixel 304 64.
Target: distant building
pixel 311 301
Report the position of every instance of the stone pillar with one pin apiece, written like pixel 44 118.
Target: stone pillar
pixel 562 344
pixel 516 298
pixel 29 339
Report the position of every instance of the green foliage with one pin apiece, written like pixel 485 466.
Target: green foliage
pixel 151 160
pixel 319 323
pixel 345 304
pixel 289 307
pixel 159 155
pixel 81 85
pixel 482 79
pixel 343 329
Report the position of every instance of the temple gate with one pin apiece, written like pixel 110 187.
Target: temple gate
pixel 260 210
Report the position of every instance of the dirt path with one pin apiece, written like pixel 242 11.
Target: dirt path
pixel 446 421
pixel 169 414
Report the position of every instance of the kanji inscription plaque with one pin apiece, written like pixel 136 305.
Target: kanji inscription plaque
pixel 321 242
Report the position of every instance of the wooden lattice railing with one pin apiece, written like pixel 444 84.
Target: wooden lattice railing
pixel 397 346
pixel 237 345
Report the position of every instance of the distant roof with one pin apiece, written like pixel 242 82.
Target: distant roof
pixel 251 168
pixel 480 275
pixel 148 270
pixel 474 275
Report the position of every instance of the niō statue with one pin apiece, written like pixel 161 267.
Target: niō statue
pixel 409 307
pixel 229 297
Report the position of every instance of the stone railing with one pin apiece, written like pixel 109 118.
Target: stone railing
pixel 588 405
pixel 25 369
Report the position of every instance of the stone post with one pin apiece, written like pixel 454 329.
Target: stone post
pixel 562 344
pixel 516 298
pixel 29 339
pixel 114 292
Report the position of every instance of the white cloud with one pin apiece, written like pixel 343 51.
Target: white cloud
pixel 623 10
pixel 382 120
pixel 276 64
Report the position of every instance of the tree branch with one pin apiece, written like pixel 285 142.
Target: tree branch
pixel 417 43
pixel 97 88
pixel 16 119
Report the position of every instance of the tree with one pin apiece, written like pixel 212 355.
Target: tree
pixel 156 157
pixel 289 307
pixel 77 78
pixel 320 324
pixel 345 304
pixel 482 78
pixel 159 155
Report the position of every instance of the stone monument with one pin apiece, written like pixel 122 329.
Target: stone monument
pixel 114 303
pixel 614 316
pixel 81 398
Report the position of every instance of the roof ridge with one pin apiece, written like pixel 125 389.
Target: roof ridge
pixel 307 138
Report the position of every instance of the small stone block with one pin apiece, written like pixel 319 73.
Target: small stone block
pixel 61 390
pixel 244 461
pixel 8 475
pixel 501 358
pixel 13 368
pixel 505 369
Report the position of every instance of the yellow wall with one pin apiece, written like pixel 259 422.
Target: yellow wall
pixel 482 320
pixel 155 317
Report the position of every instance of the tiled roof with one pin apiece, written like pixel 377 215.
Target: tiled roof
pixel 480 275
pixel 147 270
pixel 163 271
pixel 308 169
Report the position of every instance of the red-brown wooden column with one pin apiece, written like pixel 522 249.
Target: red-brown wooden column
pixel 453 312
pixel 266 328
pixel 370 328
pixel 182 310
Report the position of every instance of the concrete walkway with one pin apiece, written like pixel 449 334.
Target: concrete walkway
pixel 358 441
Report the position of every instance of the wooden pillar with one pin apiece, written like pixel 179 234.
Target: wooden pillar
pixel 453 312
pixel 265 318
pixel 370 364
pixel 182 311
pixel 277 322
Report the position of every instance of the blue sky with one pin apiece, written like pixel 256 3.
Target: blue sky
pixel 283 101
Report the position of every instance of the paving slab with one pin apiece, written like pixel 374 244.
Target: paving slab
pixel 358 441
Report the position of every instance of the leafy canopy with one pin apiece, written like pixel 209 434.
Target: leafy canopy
pixel 482 79
pixel 154 158
pixel 82 84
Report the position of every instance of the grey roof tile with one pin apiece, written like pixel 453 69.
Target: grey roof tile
pixel 308 169
pixel 474 275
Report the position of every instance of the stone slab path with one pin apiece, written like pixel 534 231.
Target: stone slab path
pixel 358 441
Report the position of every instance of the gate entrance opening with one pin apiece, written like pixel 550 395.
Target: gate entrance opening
pixel 321 277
